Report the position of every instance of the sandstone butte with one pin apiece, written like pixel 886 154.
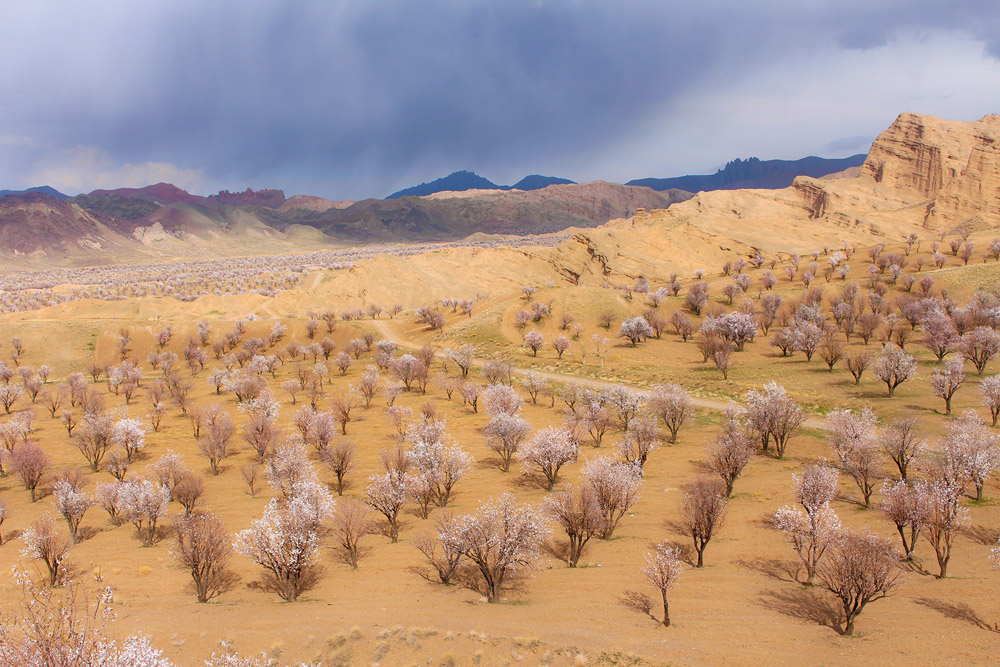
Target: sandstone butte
pixel 923 175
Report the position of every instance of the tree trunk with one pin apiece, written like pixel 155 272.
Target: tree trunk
pixel 666 610
pixel 943 564
pixel 902 536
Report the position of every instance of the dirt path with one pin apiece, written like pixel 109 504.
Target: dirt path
pixel 708 403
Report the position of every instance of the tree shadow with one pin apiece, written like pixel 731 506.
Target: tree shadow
pixel 85 533
pixel 775 568
pixel 530 480
pixel 806 604
pixel 958 611
pixel 688 554
pixel 489 463
pixel 638 602
pixel 913 565
pixel 702 465
pixel 558 549
pixel 982 534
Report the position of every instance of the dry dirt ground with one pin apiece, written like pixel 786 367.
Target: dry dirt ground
pixel 744 607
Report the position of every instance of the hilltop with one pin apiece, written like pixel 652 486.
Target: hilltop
pixel 461 181
pixel 754 173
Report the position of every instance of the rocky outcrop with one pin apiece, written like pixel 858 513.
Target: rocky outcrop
pixel 972 199
pixel 929 156
pixel 250 197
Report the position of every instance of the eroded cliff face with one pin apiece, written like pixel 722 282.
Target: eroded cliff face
pixel 922 174
pixel 972 199
pixel 954 165
pixel 924 153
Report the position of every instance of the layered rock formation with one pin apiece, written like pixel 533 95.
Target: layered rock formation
pixel 922 174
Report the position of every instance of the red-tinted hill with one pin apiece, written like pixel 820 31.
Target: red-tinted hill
pixel 162 193
pixel 249 197
pixel 34 221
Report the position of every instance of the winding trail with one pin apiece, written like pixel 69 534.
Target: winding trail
pixel 708 403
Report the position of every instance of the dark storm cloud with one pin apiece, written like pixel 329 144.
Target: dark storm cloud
pixel 348 99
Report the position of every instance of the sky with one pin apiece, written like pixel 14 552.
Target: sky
pixel 348 100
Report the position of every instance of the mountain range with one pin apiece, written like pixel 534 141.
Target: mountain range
pixel 44 189
pixel 754 173
pixel 164 220
pixel 461 181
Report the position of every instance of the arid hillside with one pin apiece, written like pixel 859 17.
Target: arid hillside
pixel 734 413
pixel 165 222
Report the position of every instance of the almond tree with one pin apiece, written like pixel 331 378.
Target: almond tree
pixel 462 357
pixel 501 399
pixel 534 385
pixel 894 367
pixel 169 469
pixel 944 518
pixel 288 469
pixel 369 385
pixel 62 627
pixel 72 504
pixel 663 568
pixel 441 548
pixel 203 549
pixel 216 436
pixel 501 538
pixel 441 464
pixel 351 522
pixel 703 511
pixel 635 330
pixel 43 541
pixel 624 401
pixel 533 340
pixel 188 491
pixel 30 462
pixel 990 390
pixel 857 364
pixel 900 504
pixel 129 435
pixel 260 430
pixel 641 438
pixel 560 345
pixel 616 488
pixel 548 451
pixel 285 540
pixel 340 460
pixel 504 434
pixel 979 346
pixel 902 442
pixel 772 414
pixel 577 512
pixel 946 379
pixel 969 452
pixel 93 437
pixel 386 493
pixel 861 569
pixel 940 335
pixel 731 452
pixel 673 405
pixel 811 532
pixel 143 503
pixel 343 405
pixel 855 442
pixel 9 393
pixel 470 394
